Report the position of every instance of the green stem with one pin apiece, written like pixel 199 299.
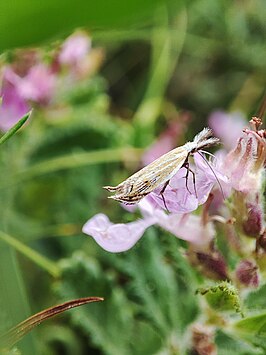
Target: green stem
pixel 31 254
pixel 73 161
pixel 15 128
pixel 166 48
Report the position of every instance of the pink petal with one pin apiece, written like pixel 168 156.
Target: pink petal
pixel 74 49
pixel 116 238
pixel 13 106
pixel 187 227
pixel 226 126
pixel 38 85
pixel 182 195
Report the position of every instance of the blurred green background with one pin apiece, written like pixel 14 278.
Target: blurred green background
pixel 160 60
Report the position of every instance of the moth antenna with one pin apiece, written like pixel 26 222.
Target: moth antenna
pixel 210 154
pixel 216 177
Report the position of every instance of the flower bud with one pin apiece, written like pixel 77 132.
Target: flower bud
pixel 247 273
pixel 203 340
pixel 222 297
pixel 253 224
pixel 211 264
pixel 262 240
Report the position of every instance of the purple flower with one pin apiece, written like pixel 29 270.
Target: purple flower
pixel 227 127
pixel 74 49
pixel 13 105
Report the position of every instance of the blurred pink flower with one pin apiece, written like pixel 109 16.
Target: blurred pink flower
pixel 74 49
pixel 166 141
pixel 13 105
pixel 37 85
pixel 227 127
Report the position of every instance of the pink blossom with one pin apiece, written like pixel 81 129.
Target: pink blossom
pixel 227 127
pixel 188 227
pixel 116 238
pixel 38 84
pixel 121 237
pixel 244 165
pixel 74 49
pixel 182 195
pixel 13 105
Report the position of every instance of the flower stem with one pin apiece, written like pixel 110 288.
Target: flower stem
pixel 75 160
pixel 31 254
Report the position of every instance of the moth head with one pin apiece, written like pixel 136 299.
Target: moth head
pixel 204 139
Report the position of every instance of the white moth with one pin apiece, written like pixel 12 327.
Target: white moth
pixel 160 171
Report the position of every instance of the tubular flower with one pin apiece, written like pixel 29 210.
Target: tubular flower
pixel 244 165
pixel 121 237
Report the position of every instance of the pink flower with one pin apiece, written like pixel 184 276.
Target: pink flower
pixel 121 237
pixel 182 195
pixel 227 127
pixel 116 238
pixel 188 227
pixel 74 49
pixel 244 165
pixel 13 105
pixel 38 85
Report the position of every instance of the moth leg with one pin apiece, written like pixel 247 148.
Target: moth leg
pixel 186 165
pixel 161 193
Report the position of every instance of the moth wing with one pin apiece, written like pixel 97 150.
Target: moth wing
pixel 158 172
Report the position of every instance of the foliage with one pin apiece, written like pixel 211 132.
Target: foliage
pixel 174 63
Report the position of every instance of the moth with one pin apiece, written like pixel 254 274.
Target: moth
pixel 160 171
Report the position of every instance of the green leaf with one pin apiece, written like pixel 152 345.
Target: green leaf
pixel 252 330
pixel 256 300
pixel 145 299
pixel 15 128
pixel 26 22
pixel 227 344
